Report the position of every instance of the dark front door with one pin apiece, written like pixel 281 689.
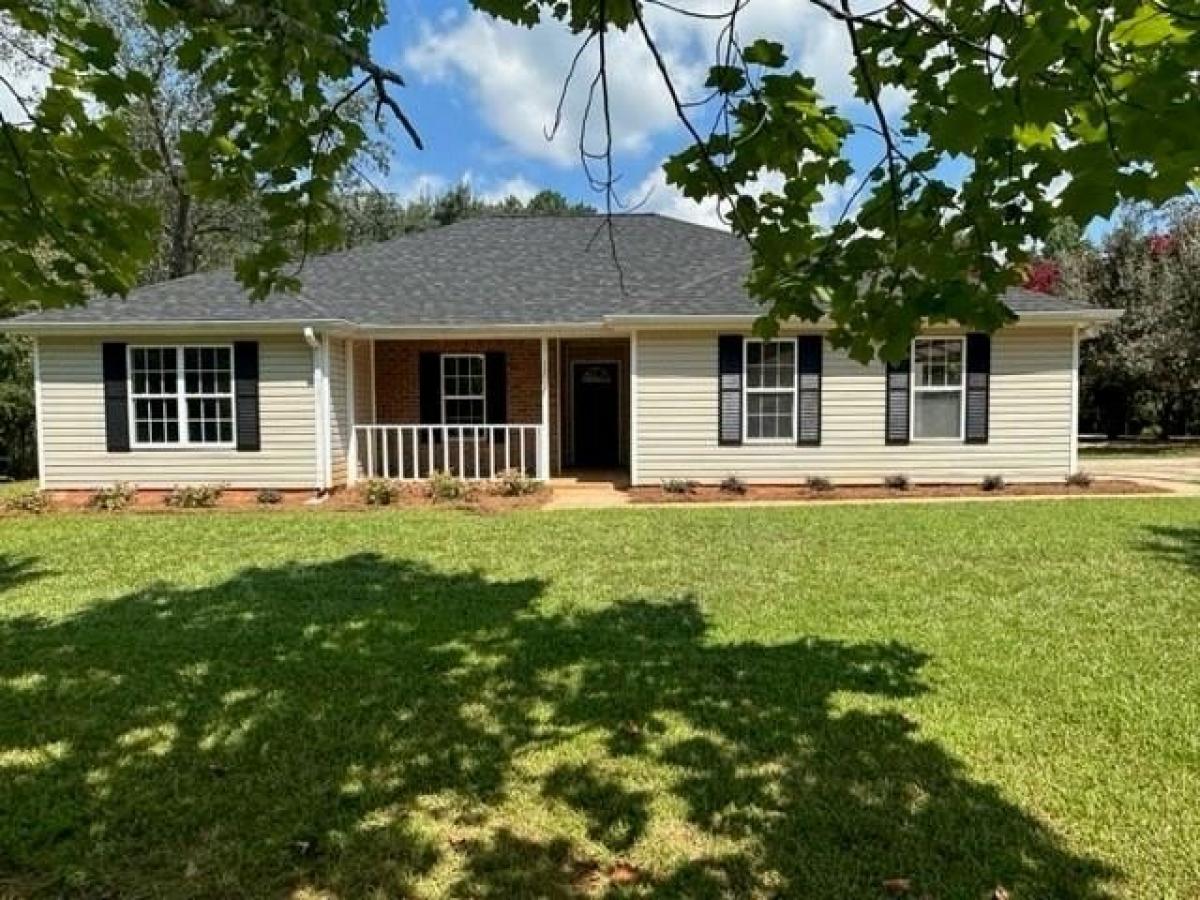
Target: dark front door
pixel 596 389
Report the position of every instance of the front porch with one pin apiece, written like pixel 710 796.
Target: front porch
pixel 476 408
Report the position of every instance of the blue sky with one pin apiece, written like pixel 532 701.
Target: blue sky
pixel 482 94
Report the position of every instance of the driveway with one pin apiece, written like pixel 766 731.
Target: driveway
pixel 1178 471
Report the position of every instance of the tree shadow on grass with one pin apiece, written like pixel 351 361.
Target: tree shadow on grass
pixel 1178 543
pixel 371 725
pixel 17 570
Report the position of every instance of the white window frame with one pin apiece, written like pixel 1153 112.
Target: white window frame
pixel 914 389
pixel 181 397
pixel 482 397
pixel 747 391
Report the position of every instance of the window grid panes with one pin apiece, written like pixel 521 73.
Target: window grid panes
pixel 770 390
pixel 463 391
pixel 182 406
pixel 937 388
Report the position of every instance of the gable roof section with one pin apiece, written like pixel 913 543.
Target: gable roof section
pixel 494 271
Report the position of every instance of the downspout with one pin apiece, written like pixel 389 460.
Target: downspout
pixel 320 407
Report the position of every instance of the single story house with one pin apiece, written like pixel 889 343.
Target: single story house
pixel 522 342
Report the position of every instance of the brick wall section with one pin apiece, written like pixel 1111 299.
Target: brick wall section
pixel 397 377
pixel 397 393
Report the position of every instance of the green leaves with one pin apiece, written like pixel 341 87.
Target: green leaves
pixel 882 215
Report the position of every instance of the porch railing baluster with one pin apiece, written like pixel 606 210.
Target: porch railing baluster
pixel 395 451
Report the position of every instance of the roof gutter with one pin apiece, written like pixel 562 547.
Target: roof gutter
pixel 651 321
pixel 258 326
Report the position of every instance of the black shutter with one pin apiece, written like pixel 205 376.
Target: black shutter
pixel 116 398
pixel 808 383
pixel 897 401
pixel 430 387
pixel 729 390
pixel 245 386
pixel 979 377
pixel 497 387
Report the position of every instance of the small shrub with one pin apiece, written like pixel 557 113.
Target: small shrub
pixel 118 496
pixel 515 483
pixel 195 496
pixel 378 492
pixel 993 483
pixel 446 488
pixel 897 483
pixel 733 485
pixel 678 486
pixel 1151 433
pixel 29 502
pixel 1080 479
pixel 819 483
pixel 268 497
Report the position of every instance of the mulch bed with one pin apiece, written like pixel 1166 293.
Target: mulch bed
pixel 407 496
pixel 712 494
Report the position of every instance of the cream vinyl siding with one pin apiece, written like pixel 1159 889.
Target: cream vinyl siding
pixel 72 414
pixel 339 426
pixel 1031 410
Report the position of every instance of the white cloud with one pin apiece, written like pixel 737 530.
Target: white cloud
pixel 421 186
pixel 27 79
pixel 656 195
pixel 493 192
pixel 408 187
pixel 515 74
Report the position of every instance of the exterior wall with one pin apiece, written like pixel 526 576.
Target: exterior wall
pixel 339 410
pixel 397 385
pixel 594 350
pixel 364 383
pixel 1031 430
pixel 72 417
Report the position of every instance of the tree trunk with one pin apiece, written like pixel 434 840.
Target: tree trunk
pixel 179 263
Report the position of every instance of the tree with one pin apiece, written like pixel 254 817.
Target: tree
pixel 1145 367
pixel 1050 109
pixel 18 447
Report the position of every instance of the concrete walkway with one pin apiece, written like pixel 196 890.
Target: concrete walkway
pixel 588 490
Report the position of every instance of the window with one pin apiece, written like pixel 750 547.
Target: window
pixel 938 388
pixel 463 399
pixel 181 396
pixel 770 390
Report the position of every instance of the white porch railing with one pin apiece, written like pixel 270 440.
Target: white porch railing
pixel 472 452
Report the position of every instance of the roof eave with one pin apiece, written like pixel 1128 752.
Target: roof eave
pixel 161 326
pixel 652 321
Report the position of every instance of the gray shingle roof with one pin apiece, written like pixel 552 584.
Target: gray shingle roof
pixel 488 271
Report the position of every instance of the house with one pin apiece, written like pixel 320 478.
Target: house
pixel 527 343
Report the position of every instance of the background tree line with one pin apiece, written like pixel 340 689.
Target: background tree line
pixel 1141 376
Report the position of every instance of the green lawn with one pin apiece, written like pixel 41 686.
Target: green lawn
pixel 650 703
pixel 12 488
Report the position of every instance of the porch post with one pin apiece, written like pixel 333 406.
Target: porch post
pixel 543 452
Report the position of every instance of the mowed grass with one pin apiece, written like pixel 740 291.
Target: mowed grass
pixel 648 703
pixel 14 488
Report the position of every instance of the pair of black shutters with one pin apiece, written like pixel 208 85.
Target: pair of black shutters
pixel 730 350
pixel 245 389
pixel 897 421
pixel 495 385
pixel 730 359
